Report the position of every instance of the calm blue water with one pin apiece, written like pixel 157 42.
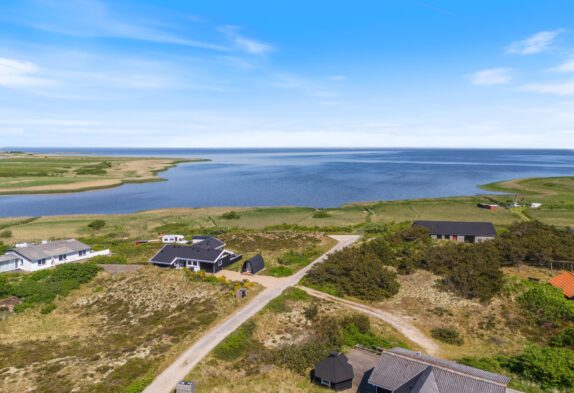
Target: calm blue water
pixel 305 177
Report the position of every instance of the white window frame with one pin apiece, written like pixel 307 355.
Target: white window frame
pixel 325 382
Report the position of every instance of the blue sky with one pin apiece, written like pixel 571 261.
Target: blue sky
pixel 334 73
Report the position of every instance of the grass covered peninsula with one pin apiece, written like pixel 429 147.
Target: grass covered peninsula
pixel 26 173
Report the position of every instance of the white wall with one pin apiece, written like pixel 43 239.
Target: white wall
pixel 51 262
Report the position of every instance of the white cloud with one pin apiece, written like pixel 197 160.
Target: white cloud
pixel 534 44
pixel 338 78
pixel 565 67
pixel 491 77
pixel 557 88
pixel 18 73
pixel 243 43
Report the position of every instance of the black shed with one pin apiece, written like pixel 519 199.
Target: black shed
pixel 253 265
pixel 334 372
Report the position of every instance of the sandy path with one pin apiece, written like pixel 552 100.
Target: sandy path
pixel 166 381
pixel 402 324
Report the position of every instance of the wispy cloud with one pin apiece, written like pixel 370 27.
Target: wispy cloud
pixel 243 43
pixel 567 66
pixel 17 73
pixel 563 88
pixel 537 43
pixel 338 78
pixel 93 18
pixel 491 77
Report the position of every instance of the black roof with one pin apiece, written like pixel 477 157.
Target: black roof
pixel 257 264
pixel 208 242
pixel 335 368
pixel 458 228
pixel 169 252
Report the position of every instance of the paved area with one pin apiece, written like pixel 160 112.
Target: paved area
pixel 119 268
pixel 166 381
pixel 363 362
pixel 266 281
pixel 400 323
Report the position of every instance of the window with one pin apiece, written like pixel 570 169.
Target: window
pixel 82 253
pixel 325 382
pixel 42 262
pixel 62 257
pixel 219 263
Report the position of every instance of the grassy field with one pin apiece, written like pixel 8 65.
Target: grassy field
pixel 110 335
pixel 272 352
pixel 36 174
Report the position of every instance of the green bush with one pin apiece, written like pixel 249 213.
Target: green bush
pixel 236 343
pixel 232 215
pixel 535 243
pixel 564 339
pixel 45 285
pixel 109 260
pixel 3 248
pixel 5 287
pixel 280 271
pixel 355 272
pixel 545 304
pixel 97 224
pixel 48 308
pixel 5 234
pixel 321 214
pixel 549 367
pixel 469 270
pixel 447 335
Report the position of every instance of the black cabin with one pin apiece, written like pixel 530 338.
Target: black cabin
pixel 335 372
pixel 253 265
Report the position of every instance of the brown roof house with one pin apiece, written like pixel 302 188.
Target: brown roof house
pixel 565 282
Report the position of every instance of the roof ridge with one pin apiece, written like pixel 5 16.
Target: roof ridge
pixel 421 361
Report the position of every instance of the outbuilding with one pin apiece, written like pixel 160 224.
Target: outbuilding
pixel 253 265
pixel 335 372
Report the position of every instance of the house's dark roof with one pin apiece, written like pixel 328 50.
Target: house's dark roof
pixel 406 371
pixel 463 228
pixel 169 252
pixel 208 242
pixel 335 368
pixel 257 264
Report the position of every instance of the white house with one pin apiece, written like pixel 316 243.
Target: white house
pixel 171 239
pixel 535 205
pixel 32 257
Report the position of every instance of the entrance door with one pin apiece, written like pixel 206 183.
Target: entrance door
pixel 193 265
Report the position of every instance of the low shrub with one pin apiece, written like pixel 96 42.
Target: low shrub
pixel 549 367
pixel 564 338
pixel 236 343
pixel 48 308
pixel 447 335
pixel 544 304
pixel 45 285
pixel 321 214
pixel 109 260
pixel 279 271
pixel 97 224
pixel 231 215
pixel 5 234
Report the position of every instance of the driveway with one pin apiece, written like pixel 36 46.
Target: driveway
pixel 166 381
pixel 400 323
